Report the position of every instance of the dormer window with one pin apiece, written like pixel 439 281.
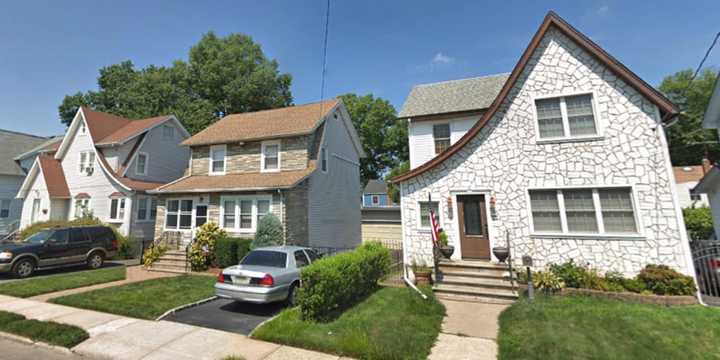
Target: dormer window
pixel 270 160
pixel 217 159
pixel 141 164
pixel 441 136
pixel 168 132
pixel 87 162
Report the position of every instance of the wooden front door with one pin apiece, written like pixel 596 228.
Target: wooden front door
pixel 472 219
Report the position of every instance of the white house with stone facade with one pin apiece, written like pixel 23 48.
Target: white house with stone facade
pixel 565 156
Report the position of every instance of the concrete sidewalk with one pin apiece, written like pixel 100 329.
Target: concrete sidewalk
pixel 469 331
pixel 118 337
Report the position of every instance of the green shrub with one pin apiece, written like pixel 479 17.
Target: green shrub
pixel 334 283
pixel 228 250
pixel 128 247
pixel 202 250
pixel 698 222
pixel 662 280
pixel 152 254
pixel 547 281
pixel 570 273
pixel 269 232
pixel 52 224
pixel 634 285
pixel 591 279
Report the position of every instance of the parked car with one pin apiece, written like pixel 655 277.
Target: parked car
pixel 58 247
pixel 265 275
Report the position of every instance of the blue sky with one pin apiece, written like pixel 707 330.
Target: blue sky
pixel 50 48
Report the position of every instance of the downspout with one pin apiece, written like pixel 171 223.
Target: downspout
pixel 406 278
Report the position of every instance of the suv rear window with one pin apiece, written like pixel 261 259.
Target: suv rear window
pixel 265 258
pixel 100 234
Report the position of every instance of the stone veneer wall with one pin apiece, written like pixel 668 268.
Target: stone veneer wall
pixel 505 159
pixel 246 158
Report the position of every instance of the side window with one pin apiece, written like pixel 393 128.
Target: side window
pixel 300 259
pixel 77 236
pixel 312 255
pixel 59 237
pixel 441 137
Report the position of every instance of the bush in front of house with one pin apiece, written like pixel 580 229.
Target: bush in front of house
pixel 54 224
pixel 334 283
pixel 229 251
pixel 269 232
pixel 152 254
pixel 698 222
pixel 202 251
pixel 662 280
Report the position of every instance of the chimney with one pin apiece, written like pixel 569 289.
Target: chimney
pixel 706 165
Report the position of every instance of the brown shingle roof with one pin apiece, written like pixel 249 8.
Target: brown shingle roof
pixel 237 182
pixel 108 128
pixel 287 121
pixel 128 182
pixel 54 177
pixel 685 174
pixel 132 129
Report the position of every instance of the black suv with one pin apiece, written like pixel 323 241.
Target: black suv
pixel 58 247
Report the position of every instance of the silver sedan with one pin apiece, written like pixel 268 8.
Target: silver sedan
pixel 265 275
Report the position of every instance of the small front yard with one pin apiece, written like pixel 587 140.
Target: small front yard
pixel 146 299
pixel 46 331
pixel 577 327
pixel 392 323
pixel 53 283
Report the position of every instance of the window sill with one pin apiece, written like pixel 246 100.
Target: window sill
pixel 236 230
pixel 588 236
pixel 116 221
pixel 269 170
pixel 569 140
pixel 177 230
pixel 216 173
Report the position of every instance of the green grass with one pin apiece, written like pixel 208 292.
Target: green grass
pixel 146 299
pixel 392 323
pixel 45 331
pixel 590 328
pixel 52 283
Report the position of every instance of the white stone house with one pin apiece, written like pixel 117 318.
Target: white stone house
pixel 709 185
pixel 105 164
pixel 566 158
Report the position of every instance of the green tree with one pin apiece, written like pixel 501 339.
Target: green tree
pixel 686 137
pixel 392 189
pixel 223 75
pixel 384 138
pixel 269 232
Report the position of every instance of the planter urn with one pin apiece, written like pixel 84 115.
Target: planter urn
pixel 501 253
pixel 447 251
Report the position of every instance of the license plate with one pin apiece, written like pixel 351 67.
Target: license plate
pixel 241 280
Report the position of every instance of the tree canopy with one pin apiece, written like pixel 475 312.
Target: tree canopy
pixel 384 138
pixel 686 137
pixel 223 75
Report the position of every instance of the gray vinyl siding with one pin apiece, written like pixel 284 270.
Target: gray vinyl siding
pixel 167 159
pixel 9 186
pixel 334 209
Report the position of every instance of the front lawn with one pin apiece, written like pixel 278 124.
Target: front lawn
pixel 45 331
pixel 52 283
pixel 392 323
pixel 589 328
pixel 146 299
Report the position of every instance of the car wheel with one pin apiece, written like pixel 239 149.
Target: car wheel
pixel 95 260
pixel 291 298
pixel 24 268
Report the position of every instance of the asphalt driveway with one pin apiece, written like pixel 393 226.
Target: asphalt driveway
pixel 227 315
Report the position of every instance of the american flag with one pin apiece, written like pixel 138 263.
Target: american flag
pixel 433 222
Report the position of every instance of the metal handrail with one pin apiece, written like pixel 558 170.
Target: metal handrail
pixel 509 260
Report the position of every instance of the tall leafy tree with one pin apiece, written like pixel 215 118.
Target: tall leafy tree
pixel 223 75
pixel 384 138
pixel 687 139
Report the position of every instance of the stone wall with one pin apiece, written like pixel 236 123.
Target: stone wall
pixel 504 160
pixel 245 158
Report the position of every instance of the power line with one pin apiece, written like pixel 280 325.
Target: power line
pixel 325 47
pixel 707 53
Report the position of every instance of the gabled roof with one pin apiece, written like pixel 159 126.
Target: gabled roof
pixel 453 96
pixel 667 108
pixel 108 129
pixel 48 146
pixel 375 186
pixel 54 176
pixel 265 124
pixel 711 118
pixel 13 144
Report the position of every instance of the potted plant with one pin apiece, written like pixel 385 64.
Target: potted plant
pixel 446 249
pixel 422 273
pixel 501 253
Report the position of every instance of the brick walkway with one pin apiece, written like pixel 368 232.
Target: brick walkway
pixel 134 274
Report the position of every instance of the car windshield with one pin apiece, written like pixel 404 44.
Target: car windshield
pixel 39 237
pixel 265 258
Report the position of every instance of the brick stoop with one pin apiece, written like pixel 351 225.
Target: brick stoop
pixel 173 261
pixel 474 281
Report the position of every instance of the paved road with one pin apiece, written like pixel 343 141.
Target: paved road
pixel 227 315
pixel 14 350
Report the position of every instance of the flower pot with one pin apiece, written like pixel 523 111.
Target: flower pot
pixel 447 251
pixel 423 277
pixel 501 253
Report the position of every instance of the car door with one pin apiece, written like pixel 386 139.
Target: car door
pixel 312 255
pixel 78 245
pixel 55 249
pixel 301 261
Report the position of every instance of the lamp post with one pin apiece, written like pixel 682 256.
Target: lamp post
pixel 528 262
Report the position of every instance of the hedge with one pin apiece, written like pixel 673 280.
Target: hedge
pixel 229 251
pixel 53 224
pixel 337 282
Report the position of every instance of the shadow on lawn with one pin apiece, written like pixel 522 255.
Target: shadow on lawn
pixel 7 277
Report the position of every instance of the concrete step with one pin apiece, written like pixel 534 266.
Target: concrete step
pixel 174 263
pixel 162 268
pixel 472 298
pixel 477 273
pixel 475 291
pixel 472 264
pixel 476 282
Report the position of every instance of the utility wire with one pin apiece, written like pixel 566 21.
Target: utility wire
pixel 707 53
pixel 325 48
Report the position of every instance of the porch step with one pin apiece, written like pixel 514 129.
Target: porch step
pixel 472 264
pixel 178 257
pixel 443 288
pixel 170 263
pixel 495 283
pixel 167 270
pixel 476 273
pixel 475 299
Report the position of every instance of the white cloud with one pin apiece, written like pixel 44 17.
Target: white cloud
pixel 602 10
pixel 441 58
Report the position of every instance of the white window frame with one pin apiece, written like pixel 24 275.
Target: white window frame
pixel 83 128
pixel 237 199
pixel 601 234
pixel 216 148
pixel 373 198
pixel 86 162
pixel 566 125
pixel 148 205
pixel 179 213
pixel 137 163
pixel 264 145
pixel 3 208
pixel 85 200
pixel 449 138
pixel 419 215
pixel 120 201
pixel 168 132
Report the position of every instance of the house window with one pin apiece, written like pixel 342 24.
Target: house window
pixel 694 197
pixel 270 155
pixel 81 206
pixel 117 209
pixel 375 200
pixel 142 212
pixel 141 164
pixel 246 214
pixel 323 159
pixel 83 128
pixel 4 208
pixel 217 159
pixel 179 214
pixel 441 136
pixel 566 117
pixel 201 215
pixel 168 132
pixel 87 162
pixel 425 207
pixel 263 208
pixel 243 213
pixel 229 214
pixel 153 208
pixel 583 211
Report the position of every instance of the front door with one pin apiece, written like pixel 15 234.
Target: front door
pixel 472 217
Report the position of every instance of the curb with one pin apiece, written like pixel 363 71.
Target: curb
pixel 41 344
pixel 182 307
